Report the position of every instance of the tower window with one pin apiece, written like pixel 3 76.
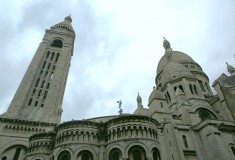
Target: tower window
pixel 191 88
pixel 17 154
pixel 52 55
pixel 195 89
pixel 57 56
pixel 44 64
pixel 181 87
pixel 233 150
pixel 45 95
pixel 37 82
pixel 39 93
pixel 185 141
pixel 48 54
pixel 42 83
pixel 201 85
pixel 161 104
pixel 36 103
pixel 57 43
pixel 30 101
pixel 49 65
pixel 168 95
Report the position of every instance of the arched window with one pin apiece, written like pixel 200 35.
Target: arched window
pixel 233 150
pixel 156 154
pixel 17 153
pixel 57 43
pixel 64 155
pixel 137 153
pixel 205 114
pixel 115 154
pixel 185 141
pixel 4 158
pixel 85 155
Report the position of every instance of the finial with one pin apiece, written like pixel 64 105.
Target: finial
pixel 68 18
pixel 230 69
pixel 166 45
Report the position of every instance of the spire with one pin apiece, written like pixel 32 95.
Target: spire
pixel 230 69
pixel 166 45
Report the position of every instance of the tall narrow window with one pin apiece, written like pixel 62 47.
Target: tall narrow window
pixel 48 54
pixel 42 83
pixel 44 65
pixel 168 95
pixel 39 93
pixel 36 103
pixel 166 98
pixel 37 82
pixel 195 89
pixel 30 101
pixel 181 87
pixel 49 65
pixel 191 88
pixel 17 153
pixel 52 55
pixel 207 87
pixel 57 56
pixel 185 141
pixel 136 155
pixel 201 85
pixel 161 104
pixel 233 150
pixel 45 95
pixel 48 85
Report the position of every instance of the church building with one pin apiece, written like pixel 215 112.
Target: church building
pixel 184 120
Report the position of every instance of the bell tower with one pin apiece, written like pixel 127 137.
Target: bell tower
pixel 40 93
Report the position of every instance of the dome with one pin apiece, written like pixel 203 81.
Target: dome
pixel 174 70
pixel 177 56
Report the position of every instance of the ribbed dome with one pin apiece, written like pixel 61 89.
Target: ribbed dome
pixel 177 56
pixel 174 70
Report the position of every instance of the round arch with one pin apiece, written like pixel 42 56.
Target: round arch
pixel 141 144
pixel 64 149
pixel 14 143
pixel 64 155
pixel 112 146
pixel 57 42
pixel 198 106
pixel 87 148
pixel 209 112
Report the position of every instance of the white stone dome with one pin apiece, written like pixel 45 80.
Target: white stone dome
pixel 176 56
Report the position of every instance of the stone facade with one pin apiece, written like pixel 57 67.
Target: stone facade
pixel 184 119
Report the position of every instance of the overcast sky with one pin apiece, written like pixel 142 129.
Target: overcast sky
pixel 117 48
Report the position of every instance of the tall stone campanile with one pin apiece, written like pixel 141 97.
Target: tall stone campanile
pixel 40 94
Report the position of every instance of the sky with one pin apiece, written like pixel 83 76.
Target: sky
pixel 117 48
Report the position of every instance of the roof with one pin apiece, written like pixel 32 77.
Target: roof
pixel 226 81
